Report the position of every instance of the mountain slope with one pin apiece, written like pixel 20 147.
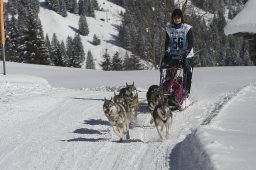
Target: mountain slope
pixel 104 25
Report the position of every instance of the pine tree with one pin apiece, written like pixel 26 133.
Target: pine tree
pixel 56 54
pixel 117 63
pixel 54 5
pixel 12 7
pixel 131 63
pixel 65 58
pixel 12 40
pixel 86 8
pixel 106 63
pixel 90 8
pixel 49 47
pixel 79 55
pixel 81 7
pixel 34 49
pixel 63 9
pixel 96 40
pixel 69 51
pixel 71 6
pixel 83 26
pixel 90 61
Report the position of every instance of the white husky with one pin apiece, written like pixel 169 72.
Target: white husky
pixel 162 116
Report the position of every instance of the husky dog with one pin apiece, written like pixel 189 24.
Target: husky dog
pixel 129 91
pixel 118 98
pixel 118 118
pixel 130 95
pixel 162 116
pixel 153 97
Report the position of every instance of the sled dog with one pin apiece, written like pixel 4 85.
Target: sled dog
pixel 129 91
pixel 153 97
pixel 118 118
pixel 162 116
pixel 130 95
pixel 121 100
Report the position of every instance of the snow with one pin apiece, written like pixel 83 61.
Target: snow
pixel 244 21
pixel 105 30
pixel 52 118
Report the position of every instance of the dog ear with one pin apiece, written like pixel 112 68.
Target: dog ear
pixel 104 99
pixel 126 84
pixel 133 83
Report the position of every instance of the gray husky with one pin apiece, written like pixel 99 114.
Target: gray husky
pixel 129 91
pixel 162 116
pixel 118 118
pixel 130 96
pixel 153 97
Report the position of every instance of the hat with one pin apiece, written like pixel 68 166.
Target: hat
pixel 177 12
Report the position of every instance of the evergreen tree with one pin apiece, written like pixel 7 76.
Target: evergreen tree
pixel 106 63
pixel 56 52
pixel 117 63
pixel 131 63
pixel 72 6
pixel 83 26
pixel 90 61
pixel 54 5
pixel 78 51
pixel 12 39
pixel 12 7
pixel 34 49
pixel 65 59
pixel 48 45
pixel 90 4
pixel 69 51
pixel 63 9
pixel 81 7
pixel 96 40
pixel 86 7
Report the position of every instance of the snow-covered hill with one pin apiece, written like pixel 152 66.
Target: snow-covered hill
pixel 44 124
pixel 104 25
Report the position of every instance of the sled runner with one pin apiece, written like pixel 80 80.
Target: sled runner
pixel 173 83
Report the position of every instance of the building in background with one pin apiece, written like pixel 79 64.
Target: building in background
pixel 244 25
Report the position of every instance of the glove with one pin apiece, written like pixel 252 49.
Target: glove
pixel 186 53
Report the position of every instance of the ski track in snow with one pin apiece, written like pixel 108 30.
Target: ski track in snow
pixel 75 130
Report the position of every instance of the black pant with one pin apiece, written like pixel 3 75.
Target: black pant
pixel 189 71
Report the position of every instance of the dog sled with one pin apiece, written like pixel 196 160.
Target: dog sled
pixel 173 82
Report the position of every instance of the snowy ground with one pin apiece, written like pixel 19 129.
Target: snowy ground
pixel 52 118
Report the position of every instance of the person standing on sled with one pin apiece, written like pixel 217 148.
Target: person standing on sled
pixel 179 41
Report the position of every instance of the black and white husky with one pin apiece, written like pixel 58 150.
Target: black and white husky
pixel 162 117
pixel 153 97
pixel 118 118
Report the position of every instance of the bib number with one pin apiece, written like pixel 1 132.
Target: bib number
pixel 178 42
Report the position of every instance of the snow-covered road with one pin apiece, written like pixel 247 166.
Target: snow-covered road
pixel 43 127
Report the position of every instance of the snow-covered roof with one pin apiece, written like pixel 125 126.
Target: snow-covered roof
pixel 245 21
